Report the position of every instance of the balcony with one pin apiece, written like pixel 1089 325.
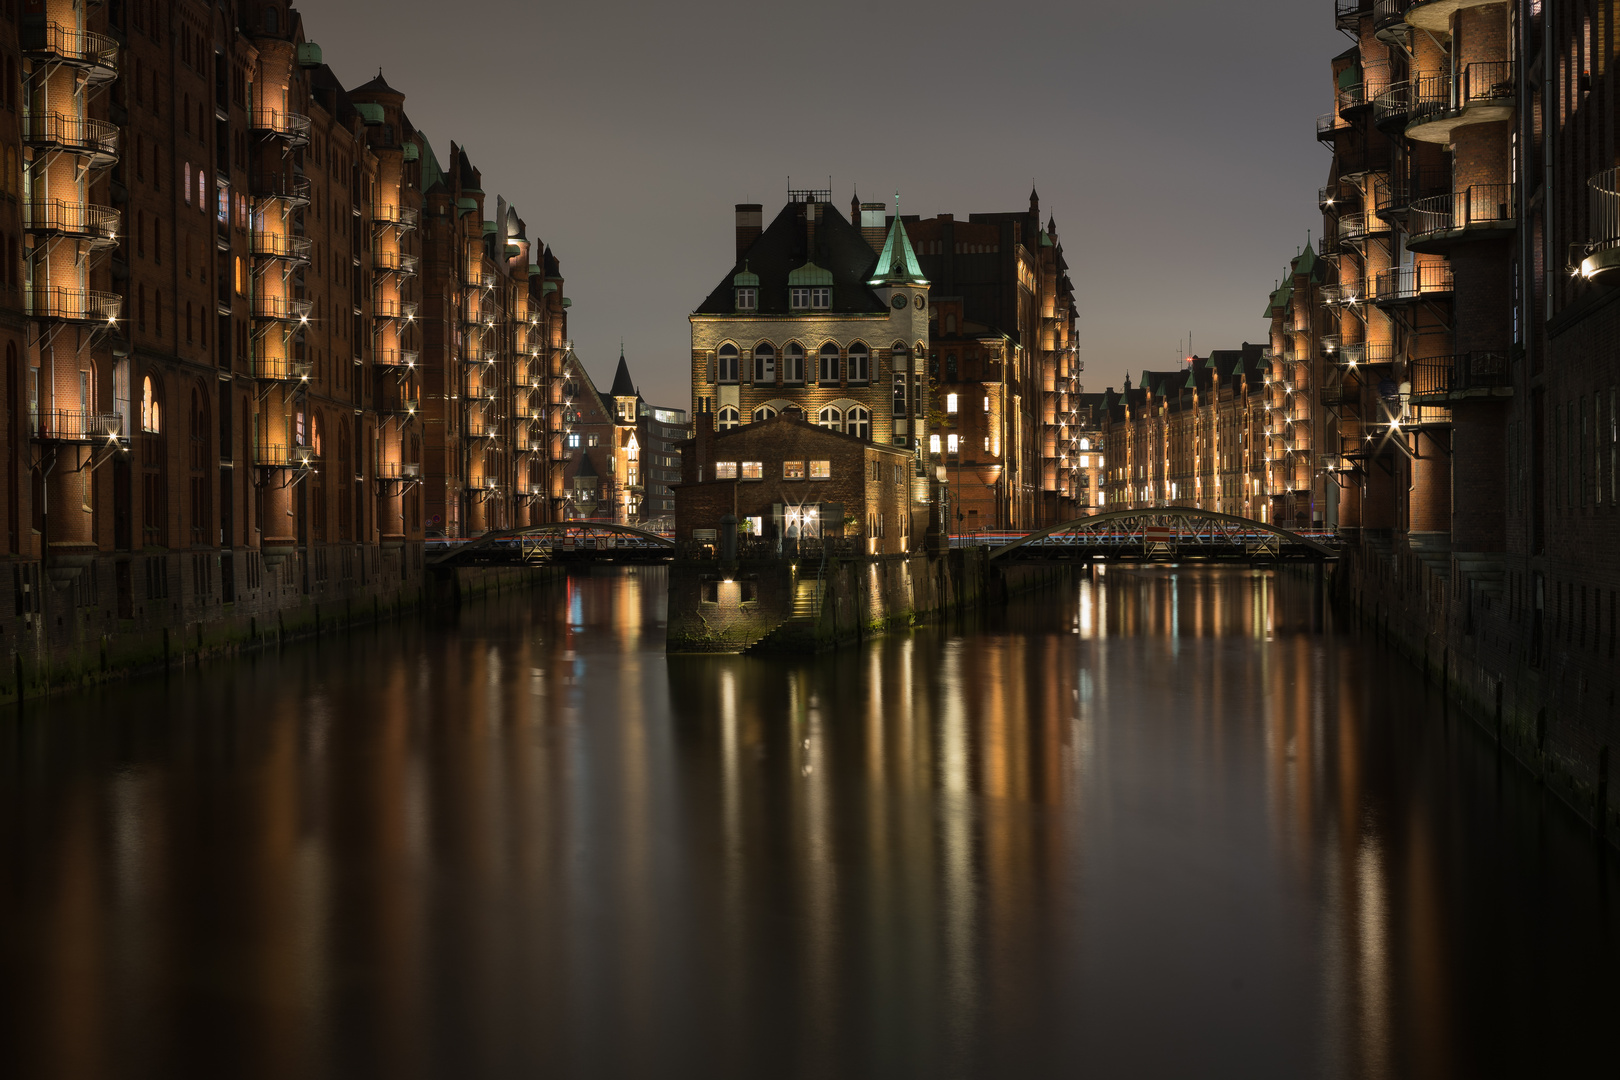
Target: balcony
pixel 1389 19
pixel 1331 343
pixel 1392 107
pixel 1328 126
pixel 1435 15
pixel 96 55
pixel 282 369
pixel 283 308
pixel 483 429
pixel 98 225
pixel 1327 198
pixel 1481 212
pixel 279 187
pixel 281 246
pixel 1602 251
pixel 393 309
pixel 399 470
pixel 481 394
pixel 281 124
pixel 1482 94
pixel 76 426
pixel 1402 191
pixel 403 218
pixel 394 262
pixel 1352 227
pixel 279 456
pixel 74 305
pixel 1347 14
pixel 96 140
pixel 397 403
pixel 1465 375
pixel 1337 397
pixel 1351 355
pixel 1406 284
pixel 401 358
pixel 1379 354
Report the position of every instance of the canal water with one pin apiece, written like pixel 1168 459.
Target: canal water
pixel 1166 824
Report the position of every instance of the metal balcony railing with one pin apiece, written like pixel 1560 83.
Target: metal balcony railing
pixel 74 305
pixel 1460 373
pixel 1439 96
pixel 1347 14
pixel 282 369
pixel 396 404
pixel 1331 343
pixel 95 139
pixel 284 308
pixel 283 124
pixel 1351 355
pixel 1387 13
pixel 393 309
pixel 75 426
pixel 281 187
pixel 1419 183
pixel 480 393
pixel 98 224
pixel 1327 198
pixel 1482 206
pixel 1380 354
pixel 282 456
pixel 404 217
pixel 398 470
pixel 282 246
pixel 394 262
pixel 1603 227
pixel 96 53
pixel 394 357
pixel 1327 127
pixel 1352 226
pixel 1413 282
pixel 1392 107
pixel 1350 98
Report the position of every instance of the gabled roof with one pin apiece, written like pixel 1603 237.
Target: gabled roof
pixel 585 467
pixel 375 86
pixel 897 263
pixel 784 247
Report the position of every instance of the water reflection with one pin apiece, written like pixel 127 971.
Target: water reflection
pixel 1158 824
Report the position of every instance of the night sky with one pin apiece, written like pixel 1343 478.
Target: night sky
pixel 1173 140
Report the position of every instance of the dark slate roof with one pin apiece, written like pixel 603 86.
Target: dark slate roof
pixel 375 86
pixel 623 384
pixel 782 248
pixel 585 469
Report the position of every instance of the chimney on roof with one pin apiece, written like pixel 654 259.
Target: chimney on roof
pixel 875 224
pixel 812 212
pixel 750 223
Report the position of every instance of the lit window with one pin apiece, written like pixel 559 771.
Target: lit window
pixel 573 442
pixel 1085 461
pixel 950 443
pixel 1085 444
pixel 987 403
pixel 725 470
pixel 747 299
pixel 793 470
pixel 950 404
pixel 821 297
pixel 987 444
pixel 800 298
pixel 933 444
pixel 753 470
pixel 820 470
pixel 590 440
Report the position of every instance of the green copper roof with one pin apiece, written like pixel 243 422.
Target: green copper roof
pixel 432 171
pixel 810 274
pixel 467 204
pixel 746 277
pixel 897 264
pixel 1191 383
pixel 1350 77
pixel 370 113
pixel 1237 368
pixel 535 271
pixel 411 152
pixel 1308 264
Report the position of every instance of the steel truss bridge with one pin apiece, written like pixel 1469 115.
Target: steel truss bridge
pixel 1171 534
pixel 556 542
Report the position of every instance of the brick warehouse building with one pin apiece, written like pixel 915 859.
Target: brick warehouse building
pixel 1443 380
pixel 238 371
pixel 843 321
pixel 622 456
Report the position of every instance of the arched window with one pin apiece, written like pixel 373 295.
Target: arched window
pixel 828 368
pixel 151 408
pixel 272 20
pixel 728 363
pixel 764 412
pixel 726 419
pixel 316 433
pixel 858 422
pixel 860 363
pixel 185 188
pixel 950 324
pixel 188 321
pixel 793 363
pixel 764 363
pixel 830 418
pixel 241 281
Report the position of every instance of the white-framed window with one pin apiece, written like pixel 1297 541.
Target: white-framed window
pixel 1085 443
pixel 726 418
pixel 753 470
pixel 793 363
pixel 858 422
pixel 573 441
pixel 727 358
pixel 821 297
pixel 828 367
pixel 764 362
pixel 933 444
pixel 950 443
pixel 860 363
pixel 830 418
pixel 821 470
pixel 725 470
pixel 950 404
pixel 799 298
pixel 793 470
pixel 747 298
pixel 763 413
pixel 591 439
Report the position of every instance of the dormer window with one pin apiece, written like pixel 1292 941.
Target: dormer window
pixel 800 299
pixel 810 288
pixel 747 298
pixel 820 298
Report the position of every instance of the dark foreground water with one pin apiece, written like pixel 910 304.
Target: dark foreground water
pixel 1161 826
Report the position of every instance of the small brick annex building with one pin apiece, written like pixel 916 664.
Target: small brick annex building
pixel 786 477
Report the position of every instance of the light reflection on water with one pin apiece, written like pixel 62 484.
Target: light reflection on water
pixel 1159 824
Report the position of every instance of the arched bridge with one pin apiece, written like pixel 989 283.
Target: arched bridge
pixel 1169 534
pixel 557 541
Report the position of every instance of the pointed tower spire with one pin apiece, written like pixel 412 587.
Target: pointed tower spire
pixel 897 263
